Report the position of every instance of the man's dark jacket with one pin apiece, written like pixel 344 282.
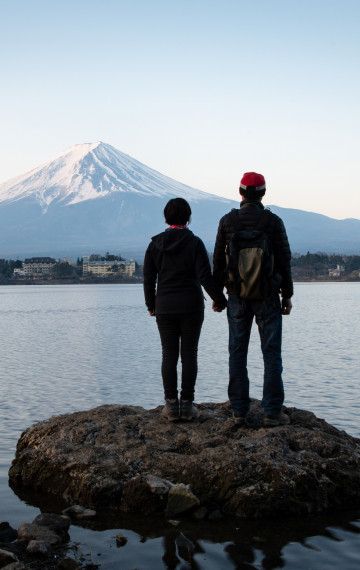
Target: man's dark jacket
pixel 248 217
pixel 177 260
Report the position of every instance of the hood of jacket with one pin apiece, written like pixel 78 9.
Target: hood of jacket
pixel 172 240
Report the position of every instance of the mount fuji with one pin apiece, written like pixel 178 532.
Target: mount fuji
pixel 93 198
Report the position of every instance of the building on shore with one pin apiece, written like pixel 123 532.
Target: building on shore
pixel 337 272
pixel 109 266
pixel 38 266
pixel 19 272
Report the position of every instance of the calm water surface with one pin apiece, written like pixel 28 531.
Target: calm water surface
pixel 68 348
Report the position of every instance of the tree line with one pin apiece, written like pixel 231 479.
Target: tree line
pixel 309 266
pixel 317 265
pixel 63 270
pixel 7 268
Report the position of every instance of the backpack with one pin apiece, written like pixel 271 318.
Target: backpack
pixel 250 260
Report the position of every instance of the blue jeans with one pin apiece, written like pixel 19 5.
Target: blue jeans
pixel 240 313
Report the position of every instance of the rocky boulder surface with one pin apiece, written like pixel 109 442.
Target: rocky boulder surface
pixel 134 460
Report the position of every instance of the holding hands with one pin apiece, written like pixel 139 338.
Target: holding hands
pixel 286 306
pixel 215 308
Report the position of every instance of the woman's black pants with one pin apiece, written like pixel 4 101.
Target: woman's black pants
pixel 179 334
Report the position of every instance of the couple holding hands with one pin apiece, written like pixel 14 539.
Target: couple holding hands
pixel 176 267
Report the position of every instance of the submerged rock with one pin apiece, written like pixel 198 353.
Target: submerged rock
pixel 130 459
pixel 79 512
pixel 121 540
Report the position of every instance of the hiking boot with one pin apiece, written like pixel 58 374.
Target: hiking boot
pixel 171 410
pixel 188 410
pixel 239 418
pixel 279 419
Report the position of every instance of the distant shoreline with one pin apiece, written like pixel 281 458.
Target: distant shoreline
pixel 138 281
pixel 96 281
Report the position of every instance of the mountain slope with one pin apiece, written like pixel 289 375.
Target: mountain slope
pixel 90 171
pixel 94 198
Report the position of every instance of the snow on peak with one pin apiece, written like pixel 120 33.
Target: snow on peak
pixel 92 170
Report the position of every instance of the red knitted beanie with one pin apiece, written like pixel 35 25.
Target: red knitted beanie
pixel 257 181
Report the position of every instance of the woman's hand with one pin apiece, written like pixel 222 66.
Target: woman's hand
pixel 215 308
pixel 286 306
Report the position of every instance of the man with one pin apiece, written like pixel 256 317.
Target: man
pixel 267 312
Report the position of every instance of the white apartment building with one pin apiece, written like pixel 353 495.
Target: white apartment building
pixel 38 266
pixel 105 268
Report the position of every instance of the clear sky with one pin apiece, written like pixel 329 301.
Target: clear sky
pixel 200 90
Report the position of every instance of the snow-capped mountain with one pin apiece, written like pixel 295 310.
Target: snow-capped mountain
pixel 90 198
pixel 90 171
pixel 93 198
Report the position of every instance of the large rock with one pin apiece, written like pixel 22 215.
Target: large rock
pixel 128 458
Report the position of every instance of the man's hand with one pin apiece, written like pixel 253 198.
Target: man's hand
pixel 215 308
pixel 286 306
pixel 151 313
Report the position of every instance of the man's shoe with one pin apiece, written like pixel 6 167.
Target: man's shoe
pixel 188 410
pixel 239 418
pixel 279 419
pixel 171 410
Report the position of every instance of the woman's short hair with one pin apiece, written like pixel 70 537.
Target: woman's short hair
pixel 177 212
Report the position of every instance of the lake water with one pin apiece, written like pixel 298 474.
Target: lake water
pixel 69 348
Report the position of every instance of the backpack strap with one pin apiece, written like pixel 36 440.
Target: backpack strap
pixel 263 220
pixel 234 215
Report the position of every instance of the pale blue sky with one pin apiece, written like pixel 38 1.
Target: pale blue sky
pixel 200 90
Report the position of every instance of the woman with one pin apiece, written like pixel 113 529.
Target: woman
pixel 176 265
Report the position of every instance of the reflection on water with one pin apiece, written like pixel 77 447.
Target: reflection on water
pixel 293 544
pixel 320 542
pixel 67 348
